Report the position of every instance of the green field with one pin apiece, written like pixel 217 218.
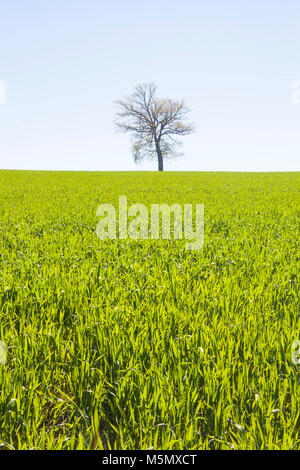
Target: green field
pixel 123 344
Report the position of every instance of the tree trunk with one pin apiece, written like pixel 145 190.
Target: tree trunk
pixel 159 158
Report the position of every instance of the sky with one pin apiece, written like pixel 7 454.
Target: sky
pixel 235 63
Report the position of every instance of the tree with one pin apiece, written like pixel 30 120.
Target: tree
pixel 153 122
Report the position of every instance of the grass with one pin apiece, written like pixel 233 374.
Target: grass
pixel 123 344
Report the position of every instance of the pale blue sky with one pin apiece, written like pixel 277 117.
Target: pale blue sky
pixel 64 62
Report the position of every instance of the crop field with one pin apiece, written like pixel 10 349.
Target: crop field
pixel 142 344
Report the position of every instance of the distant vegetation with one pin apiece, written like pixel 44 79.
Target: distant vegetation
pixel 154 123
pixel 138 344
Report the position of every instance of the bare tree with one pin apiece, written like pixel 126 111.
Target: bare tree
pixel 153 122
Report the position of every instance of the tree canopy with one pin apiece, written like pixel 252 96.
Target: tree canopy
pixel 154 123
